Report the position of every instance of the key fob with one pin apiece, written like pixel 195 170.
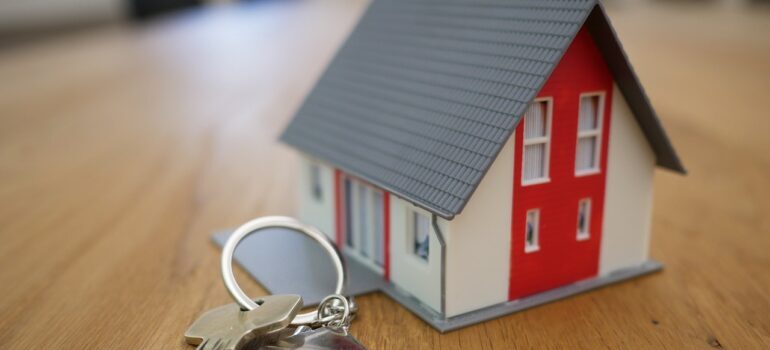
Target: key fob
pixel 317 339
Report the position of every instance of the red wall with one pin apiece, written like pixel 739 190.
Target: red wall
pixel 562 259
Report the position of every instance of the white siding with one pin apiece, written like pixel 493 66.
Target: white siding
pixel 319 213
pixel 420 278
pixel 479 242
pixel 628 201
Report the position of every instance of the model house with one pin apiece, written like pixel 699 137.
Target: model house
pixel 479 153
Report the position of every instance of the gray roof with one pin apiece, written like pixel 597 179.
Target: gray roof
pixel 424 94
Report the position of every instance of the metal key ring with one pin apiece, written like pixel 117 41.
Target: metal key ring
pixel 284 222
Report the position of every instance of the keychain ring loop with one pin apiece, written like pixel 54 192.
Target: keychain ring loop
pixel 283 222
pixel 329 320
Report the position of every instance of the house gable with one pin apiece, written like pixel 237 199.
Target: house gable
pixel 629 85
pixel 422 97
pixel 560 257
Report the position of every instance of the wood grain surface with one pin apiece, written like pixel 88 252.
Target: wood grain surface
pixel 122 149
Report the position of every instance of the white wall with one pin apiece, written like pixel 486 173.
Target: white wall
pixel 411 274
pixel 312 211
pixel 479 241
pixel 628 201
pixel 420 278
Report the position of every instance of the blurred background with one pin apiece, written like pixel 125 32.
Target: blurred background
pixel 21 20
pixel 137 128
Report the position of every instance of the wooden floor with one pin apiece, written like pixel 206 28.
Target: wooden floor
pixel 123 149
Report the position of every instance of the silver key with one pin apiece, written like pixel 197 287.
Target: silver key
pixel 317 339
pixel 229 328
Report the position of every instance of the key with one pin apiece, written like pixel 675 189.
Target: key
pixel 229 328
pixel 305 338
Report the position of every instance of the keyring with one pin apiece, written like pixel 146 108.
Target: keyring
pixel 284 222
pixel 334 320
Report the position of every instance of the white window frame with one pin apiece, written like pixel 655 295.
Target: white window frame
pixel 355 250
pixel 539 140
pixel 530 248
pixel 412 234
pixel 585 234
pixel 591 133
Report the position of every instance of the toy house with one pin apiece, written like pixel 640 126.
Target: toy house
pixel 479 154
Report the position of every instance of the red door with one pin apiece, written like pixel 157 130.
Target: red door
pixel 558 209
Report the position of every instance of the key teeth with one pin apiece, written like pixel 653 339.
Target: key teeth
pixel 200 331
pixel 208 345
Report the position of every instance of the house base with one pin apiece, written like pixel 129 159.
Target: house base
pixel 280 261
pixel 467 319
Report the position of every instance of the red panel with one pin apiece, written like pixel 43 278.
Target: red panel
pixel 562 259
pixel 338 219
pixel 386 231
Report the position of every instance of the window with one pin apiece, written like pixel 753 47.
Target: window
pixel 315 181
pixel 537 129
pixel 364 194
pixel 364 230
pixel 348 185
pixel 420 235
pixel 532 231
pixel 379 228
pixel 584 219
pixel 589 134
